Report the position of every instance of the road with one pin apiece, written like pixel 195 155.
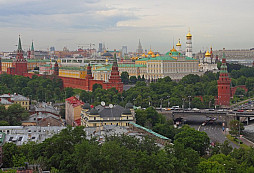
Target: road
pixel 213 130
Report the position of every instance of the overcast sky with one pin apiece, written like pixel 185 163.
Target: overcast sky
pixel 70 23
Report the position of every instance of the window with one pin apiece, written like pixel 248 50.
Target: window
pixel 94 118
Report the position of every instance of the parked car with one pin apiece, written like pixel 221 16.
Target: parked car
pixel 240 110
pixel 195 109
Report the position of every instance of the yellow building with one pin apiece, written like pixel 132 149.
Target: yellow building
pixel 9 99
pixel 102 72
pixel 72 110
pixel 107 115
pixel 73 72
pixel 31 64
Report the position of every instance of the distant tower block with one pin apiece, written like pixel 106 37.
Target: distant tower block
pixel 188 45
pixel 178 46
pixel 224 84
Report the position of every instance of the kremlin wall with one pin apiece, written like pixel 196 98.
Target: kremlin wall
pixel 19 67
pixel 151 66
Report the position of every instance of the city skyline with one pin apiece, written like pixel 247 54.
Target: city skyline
pixel 72 23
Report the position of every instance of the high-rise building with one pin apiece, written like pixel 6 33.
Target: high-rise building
pixel 124 50
pixel 100 48
pixel 188 52
pixel 139 50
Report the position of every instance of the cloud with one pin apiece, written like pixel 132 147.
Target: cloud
pixel 61 14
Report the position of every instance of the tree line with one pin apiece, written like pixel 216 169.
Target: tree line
pixel 70 151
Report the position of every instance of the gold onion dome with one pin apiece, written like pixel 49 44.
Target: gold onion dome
pixel 188 35
pixel 106 60
pixel 144 55
pixel 178 44
pixel 207 54
pixel 157 54
pixel 150 52
pixel 153 56
pixel 136 58
pixel 173 50
pixel 58 60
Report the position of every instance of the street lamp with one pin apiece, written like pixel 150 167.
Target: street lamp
pixel 122 98
pixel 183 99
pixel 189 101
pixel 134 101
pixel 161 104
pixel 168 101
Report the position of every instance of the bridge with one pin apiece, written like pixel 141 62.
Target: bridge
pixel 225 116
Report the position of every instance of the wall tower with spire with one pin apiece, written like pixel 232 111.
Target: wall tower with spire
pixel 20 64
pixel 224 85
pixel 188 45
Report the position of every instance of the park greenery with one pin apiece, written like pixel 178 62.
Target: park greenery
pixel 13 115
pixel 190 91
pixel 70 151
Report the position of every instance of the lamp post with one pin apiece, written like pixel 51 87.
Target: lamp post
pixel 122 98
pixel 189 101
pixel 161 104
pixel 210 104
pixel 183 103
pixel 168 101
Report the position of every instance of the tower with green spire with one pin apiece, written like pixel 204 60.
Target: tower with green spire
pixel 32 51
pixel 224 82
pixel 20 64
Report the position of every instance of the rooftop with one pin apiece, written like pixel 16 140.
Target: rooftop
pixel 74 101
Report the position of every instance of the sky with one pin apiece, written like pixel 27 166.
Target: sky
pixel 116 23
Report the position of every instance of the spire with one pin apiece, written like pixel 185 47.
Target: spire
pixel 32 47
pixel 19 45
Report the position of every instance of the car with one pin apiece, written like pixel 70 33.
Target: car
pixel 240 110
pixel 168 109
pixel 220 110
pixel 195 109
pixel 249 110
pixel 211 109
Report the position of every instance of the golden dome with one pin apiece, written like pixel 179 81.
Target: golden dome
pixel 207 54
pixel 136 58
pixel 106 60
pixel 153 56
pixel 178 44
pixel 157 54
pixel 188 35
pixel 173 50
pixel 58 60
pixel 144 55
pixel 150 52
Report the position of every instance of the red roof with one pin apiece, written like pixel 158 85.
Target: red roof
pixel 74 101
pixel 78 122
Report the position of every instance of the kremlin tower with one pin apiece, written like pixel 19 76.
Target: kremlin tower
pixel 56 69
pixel 224 85
pixel 188 45
pixel 20 64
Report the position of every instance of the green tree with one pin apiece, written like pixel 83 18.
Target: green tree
pixel 190 138
pixel 125 77
pixel 210 167
pixel 15 114
pixel 133 79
